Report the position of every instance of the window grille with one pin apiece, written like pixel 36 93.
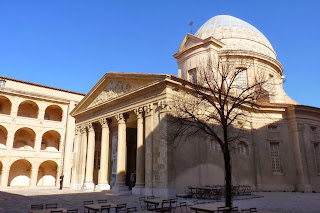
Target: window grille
pixel 275 157
pixel 316 149
pixel 242 79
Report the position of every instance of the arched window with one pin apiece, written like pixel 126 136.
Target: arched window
pixel 47 173
pixel 3 137
pixel 24 138
pixel 20 173
pixel 5 105
pixel 53 113
pixel 50 141
pixel 28 109
pixel 243 148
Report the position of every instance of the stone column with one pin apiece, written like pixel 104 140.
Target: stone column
pixel 148 138
pixel 140 164
pixel 4 176
pixel 33 177
pixel 121 155
pixel 76 159
pixel 88 183
pixel 83 154
pixel 104 157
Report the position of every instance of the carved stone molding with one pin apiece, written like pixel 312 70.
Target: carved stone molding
pixel 122 117
pixel 90 127
pixel 139 112
pixel 163 105
pixel 148 109
pixel 83 129
pixel 105 122
pixel 77 130
pixel 112 90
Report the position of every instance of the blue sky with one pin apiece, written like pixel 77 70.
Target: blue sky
pixel 70 44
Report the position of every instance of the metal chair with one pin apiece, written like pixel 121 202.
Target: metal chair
pixel 87 202
pixel 142 203
pixel 105 208
pixel 249 210
pixel 165 206
pixel 56 211
pixel 120 207
pixel 51 206
pixel 72 211
pixel 102 201
pixel 36 206
pixel 183 205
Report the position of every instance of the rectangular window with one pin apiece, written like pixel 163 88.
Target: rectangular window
pixel 316 149
pixel 2 83
pixel 275 157
pixel 192 75
pixel 241 79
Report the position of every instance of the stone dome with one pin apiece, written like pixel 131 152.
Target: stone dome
pixel 236 34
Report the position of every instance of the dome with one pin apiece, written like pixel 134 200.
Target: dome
pixel 236 34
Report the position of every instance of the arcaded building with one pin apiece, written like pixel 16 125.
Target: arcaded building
pixel 122 125
pixel 36 134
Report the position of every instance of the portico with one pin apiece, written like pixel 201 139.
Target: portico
pixel 131 132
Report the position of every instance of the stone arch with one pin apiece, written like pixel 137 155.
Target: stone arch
pixel 47 173
pixel 20 173
pixel 53 113
pixel 28 109
pixel 243 148
pixel 5 105
pixel 3 136
pixel 51 141
pixel 24 138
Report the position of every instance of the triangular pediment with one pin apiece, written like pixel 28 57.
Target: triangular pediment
pixel 190 42
pixel 113 86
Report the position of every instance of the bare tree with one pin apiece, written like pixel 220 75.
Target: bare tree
pixel 216 103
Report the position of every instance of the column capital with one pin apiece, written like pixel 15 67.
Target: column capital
pixel 77 130
pixel 148 109
pixel 83 129
pixel 105 122
pixel 139 112
pixel 89 126
pixel 122 117
pixel 163 105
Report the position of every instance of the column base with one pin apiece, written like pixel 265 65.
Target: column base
pixel 101 187
pixel 88 186
pixel 117 189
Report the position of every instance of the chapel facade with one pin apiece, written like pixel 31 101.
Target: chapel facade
pixel 122 125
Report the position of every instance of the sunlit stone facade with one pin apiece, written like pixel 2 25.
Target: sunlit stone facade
pixel 122 125
pixel 36 134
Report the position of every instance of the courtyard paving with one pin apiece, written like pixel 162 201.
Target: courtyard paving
pixel 16 200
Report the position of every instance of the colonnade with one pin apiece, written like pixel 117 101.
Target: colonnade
pixel 85 149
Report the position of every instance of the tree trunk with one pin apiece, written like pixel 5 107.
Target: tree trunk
pixel 227 167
